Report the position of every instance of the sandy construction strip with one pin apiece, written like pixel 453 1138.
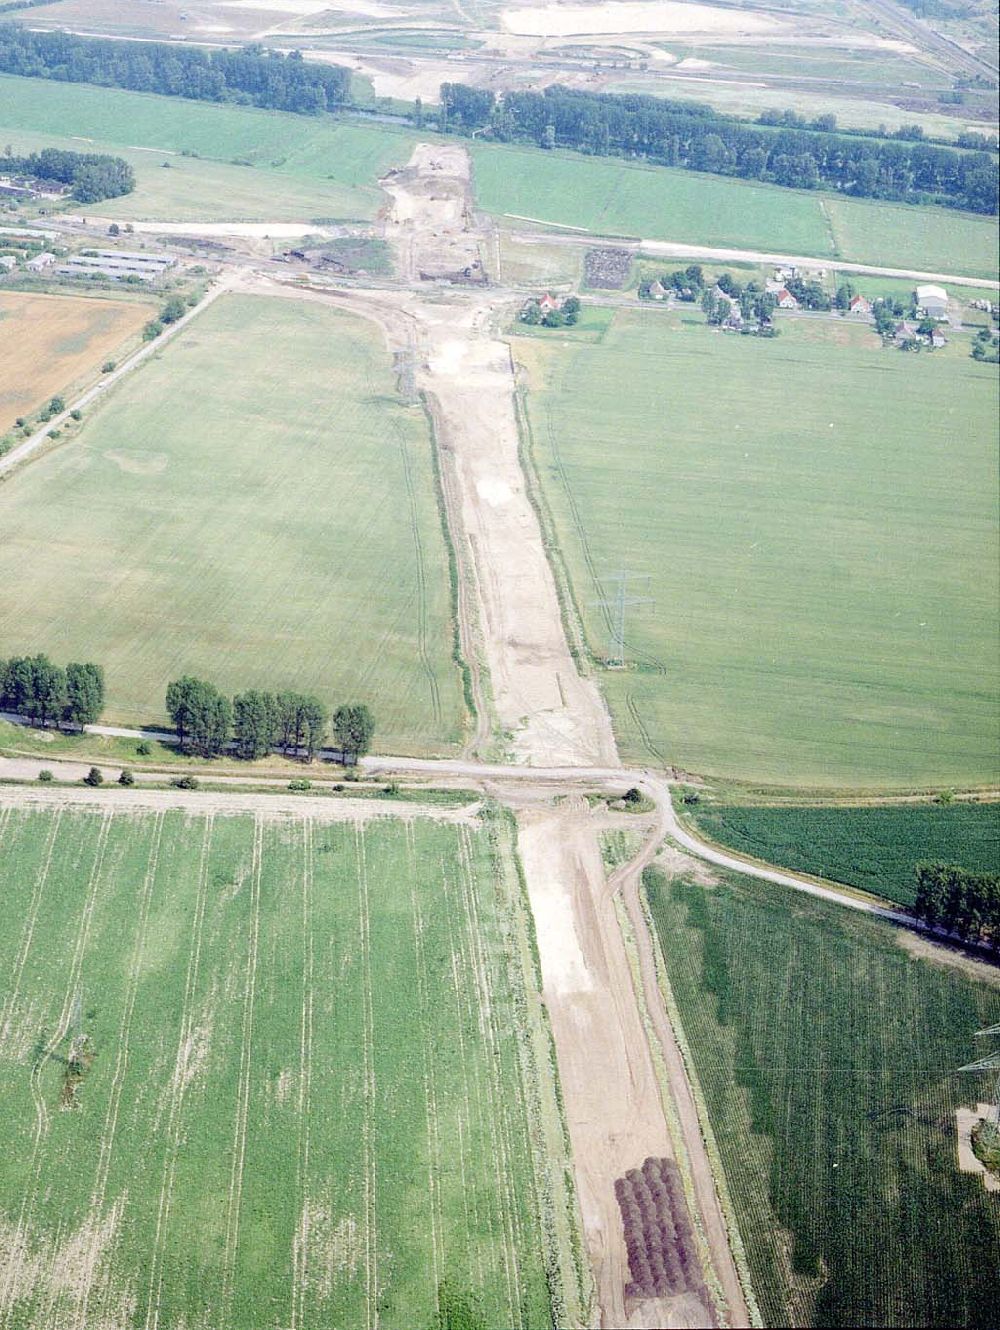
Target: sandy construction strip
pixel 614 1110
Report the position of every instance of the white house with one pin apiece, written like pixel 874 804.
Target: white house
pixel 785 299
pixel 40 261
pixel 859 305
pixel 932 301
pixel 7 261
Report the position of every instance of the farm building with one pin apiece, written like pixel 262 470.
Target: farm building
pixel 657 291
pixel 785 299
pixel 40 261
pixel 938 339
pixel 859 305
pixel 932 301
pixel 548 303
pixel 118 264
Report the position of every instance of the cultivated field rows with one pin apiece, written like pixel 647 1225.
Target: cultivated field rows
pixel 826 1057
pixel 314 1098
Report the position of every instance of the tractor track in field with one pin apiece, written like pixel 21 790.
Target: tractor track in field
pixel 109 1132
pixel 300 1242
pixel 178 1086
pixel 235 1196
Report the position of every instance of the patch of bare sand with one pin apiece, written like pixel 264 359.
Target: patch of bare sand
pixel 42 1271
pixel 965 1120
pixel 138 462
pixel 624 16
pixel 940 953
pixel 676 863
pixel 327 1251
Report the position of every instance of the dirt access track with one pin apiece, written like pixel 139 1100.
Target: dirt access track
pixel 542 714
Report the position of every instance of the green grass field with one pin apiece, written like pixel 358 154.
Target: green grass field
pixel 319 1085
pixel 817 518
pixel 826 1058
pixel 298 168
pixel 254 506
pixel 874 848
pixel 655 203
pixel 894 235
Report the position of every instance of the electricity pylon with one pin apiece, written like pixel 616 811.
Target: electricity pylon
pixel 989 1063
pixel 615 607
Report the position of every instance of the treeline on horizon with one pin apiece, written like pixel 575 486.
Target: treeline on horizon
pixel 696 137
pixel 252 76
pixel 957 901
pixel 93 175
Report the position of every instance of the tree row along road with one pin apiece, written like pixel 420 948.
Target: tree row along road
pixel 34 441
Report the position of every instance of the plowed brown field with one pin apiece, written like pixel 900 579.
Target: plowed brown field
pixel 51 344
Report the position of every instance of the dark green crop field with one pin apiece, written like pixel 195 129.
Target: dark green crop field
pixel 874 848
pixel 826 1057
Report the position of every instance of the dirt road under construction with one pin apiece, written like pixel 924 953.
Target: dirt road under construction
pixel 537 710
pixel 543 736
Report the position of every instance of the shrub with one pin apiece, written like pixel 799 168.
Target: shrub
pixel 188 782
pixel 94 777
pixel 632 796
pixel 45 776
pixel 143 749
pixel 108 366
pixel 76 415
pixel 126 778
pixel 300 785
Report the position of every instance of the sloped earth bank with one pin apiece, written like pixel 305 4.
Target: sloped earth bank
pixel 545 715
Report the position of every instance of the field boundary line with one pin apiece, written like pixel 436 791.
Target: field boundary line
pixel 421 575
pixel 235 1197
pixel 463 579
pixel 462 1009
pixel 736 1243
pixel 430 1089
pixel 499 1125
pixel 121 1063
pixel 41 1112
pixel 371 1233
pixel 178 1086
pixel 300 1239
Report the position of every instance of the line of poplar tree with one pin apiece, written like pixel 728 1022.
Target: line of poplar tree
pixel 256 722
pixel 45 693
pixel 699 138
pixel 968 904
